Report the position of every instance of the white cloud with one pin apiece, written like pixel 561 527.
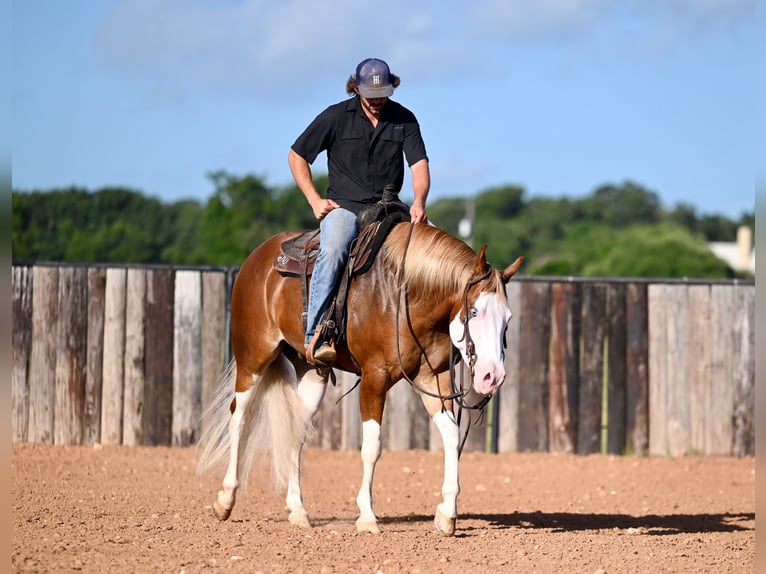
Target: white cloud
pixel 259 48
pixel 256 47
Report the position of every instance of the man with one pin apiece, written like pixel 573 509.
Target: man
pixel 366 137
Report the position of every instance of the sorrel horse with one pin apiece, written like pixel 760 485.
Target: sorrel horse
pixel 426 291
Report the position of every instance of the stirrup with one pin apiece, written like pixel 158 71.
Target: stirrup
pixel 326 354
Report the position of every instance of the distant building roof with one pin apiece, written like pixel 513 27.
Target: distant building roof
pixel 739 255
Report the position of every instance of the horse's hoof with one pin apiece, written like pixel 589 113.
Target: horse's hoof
pixel 299 518
pixel 444 524
pixel 367 526
pixel 220 512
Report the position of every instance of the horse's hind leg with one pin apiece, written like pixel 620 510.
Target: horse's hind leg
pixel 240 407
pixel 446 512
pixel 311 389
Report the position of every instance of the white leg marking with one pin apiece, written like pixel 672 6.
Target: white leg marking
pixel 371 446
pixel 226 496
pixel 311 389
pixel 446 512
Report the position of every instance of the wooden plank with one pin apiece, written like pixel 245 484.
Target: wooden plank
pixel 135 313
pixel 616 369
pixel 42 362
pixel 421 425
pixel 328 419
pixel 678 412
pixel 563 367
pixel 115 298
pixel 397 417
pixel 21 343
pixel 637 370
pixel 187 363
pixel 508 395
pixel 158 358
pixel 91 422
pixel 659 312
pixel 592 368
pixel 720 426
pixel 351 419
pixel 744 371
pixel 534 323
pixel 473 421
pixel 700 330
pixel 71 337
pixel 213 333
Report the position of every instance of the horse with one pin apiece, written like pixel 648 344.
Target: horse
pixel 426 295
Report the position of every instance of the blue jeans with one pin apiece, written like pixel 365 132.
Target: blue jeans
pixel 337 231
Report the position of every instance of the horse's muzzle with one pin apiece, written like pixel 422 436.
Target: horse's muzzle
pixel 487 379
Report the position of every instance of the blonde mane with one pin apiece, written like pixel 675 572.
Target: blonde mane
pixel 436 264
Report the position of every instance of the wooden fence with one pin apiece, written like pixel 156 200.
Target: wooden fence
pixel 131 355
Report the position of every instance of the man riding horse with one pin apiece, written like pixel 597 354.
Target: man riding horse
pixel 366 138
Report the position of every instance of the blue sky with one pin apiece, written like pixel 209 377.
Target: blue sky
pixel 557 96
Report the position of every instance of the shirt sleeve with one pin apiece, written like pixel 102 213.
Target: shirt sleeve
pixel 317 137
pixel 414 146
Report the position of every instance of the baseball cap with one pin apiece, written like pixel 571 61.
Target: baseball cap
pixel 373 78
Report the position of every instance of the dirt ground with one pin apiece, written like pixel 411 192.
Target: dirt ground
pixel 121 509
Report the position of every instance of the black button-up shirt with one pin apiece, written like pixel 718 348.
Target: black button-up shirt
pixel 362 160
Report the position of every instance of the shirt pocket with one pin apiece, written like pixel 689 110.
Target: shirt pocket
pixel 394 133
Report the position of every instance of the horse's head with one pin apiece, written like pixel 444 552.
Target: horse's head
pixel 478 325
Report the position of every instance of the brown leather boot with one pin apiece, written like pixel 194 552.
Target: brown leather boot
pixel 324 355
pixel 320 353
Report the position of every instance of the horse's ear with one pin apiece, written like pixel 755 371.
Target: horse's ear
pixel 480 262
pixel 510 271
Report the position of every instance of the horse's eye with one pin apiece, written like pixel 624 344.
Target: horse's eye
pixel 474 312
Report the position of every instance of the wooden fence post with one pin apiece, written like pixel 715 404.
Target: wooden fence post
pixel 616 369
pixel 351 430
pixel 592 370
pixel 42 362
pixel 21 342
pixel 508 396
pixel 699 331
pixel 114 356
pixel 71 355
pixel 744 371
pixel 637 370
pixel 135 313
pixel 563 370
pixel 187 363
pixel 720 425
pixel 158 358
pixel 213 334
pixel 534 326
pixel 95 360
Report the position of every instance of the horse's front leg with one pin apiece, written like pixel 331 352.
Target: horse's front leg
pixel 371 403
pixel 446 512
pixel 311 390
pixel 444 418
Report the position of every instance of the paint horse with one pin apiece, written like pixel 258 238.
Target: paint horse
pixel 425 292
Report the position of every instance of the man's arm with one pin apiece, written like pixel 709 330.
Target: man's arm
pixel 301 171
pixel 421 184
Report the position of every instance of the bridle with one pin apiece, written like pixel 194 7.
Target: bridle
pixel 458 392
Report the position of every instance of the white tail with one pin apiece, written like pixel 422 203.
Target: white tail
pixel 276 422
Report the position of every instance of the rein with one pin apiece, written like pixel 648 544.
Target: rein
pixel 458 394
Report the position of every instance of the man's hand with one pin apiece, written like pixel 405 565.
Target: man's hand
pixel 322 207
pixel 418 213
